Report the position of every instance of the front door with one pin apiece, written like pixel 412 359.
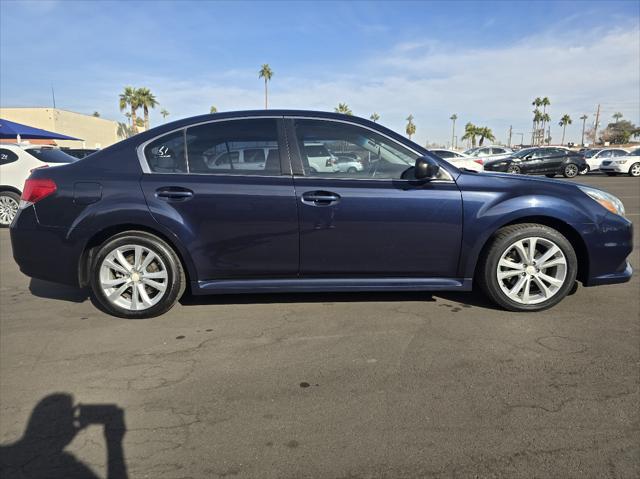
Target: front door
pixel 368 221
pixel 225 188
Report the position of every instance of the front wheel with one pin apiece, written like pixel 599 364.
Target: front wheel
pixel 528 267
pixel 352 170
pixel 514 169
pixel 9 202
pixel 570 171
pixel 635 170
pixel 584 170
pixel 136 275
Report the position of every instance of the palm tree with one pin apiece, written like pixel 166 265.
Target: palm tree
pixel 164 113
pixel 411 127
pixel 584 119
pixel 470 132
pixel 96 114
pixel 265 72
pixel 453 118
pixel 128 115
pixel 147 100
pixel 545 120
pixel 564 121
pixel 616 116
pixel 343 108
pixel 374 117
pixel 485 132
pixel 213 109
pixel 537 118
pixel 129 98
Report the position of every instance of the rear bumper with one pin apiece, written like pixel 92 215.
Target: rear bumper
pixel 43 252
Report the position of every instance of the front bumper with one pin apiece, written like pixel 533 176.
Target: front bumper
pixel 614 168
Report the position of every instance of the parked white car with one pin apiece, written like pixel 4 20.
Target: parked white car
pixel 243 159
pixel 484 154
pixel 460 160
pixel 16 163
pixel 628 164
pixel 321 160
pixel 595 157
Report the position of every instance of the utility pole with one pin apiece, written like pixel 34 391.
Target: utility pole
pixel 510 132
pixel 595 129
pixel 584 119
pixel 453 118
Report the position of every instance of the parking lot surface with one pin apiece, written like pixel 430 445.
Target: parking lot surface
pixel 323 385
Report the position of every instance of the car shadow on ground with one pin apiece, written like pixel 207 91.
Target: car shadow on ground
pixel 46 289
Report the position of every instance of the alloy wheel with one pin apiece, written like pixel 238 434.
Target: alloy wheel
pixel 8 209
pixel 531 270
pixel 570 170
pixel 133 277
pixel 635 169
pixel 514 169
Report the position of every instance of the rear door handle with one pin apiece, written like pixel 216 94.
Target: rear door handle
pixel 320 198
pixel 174 193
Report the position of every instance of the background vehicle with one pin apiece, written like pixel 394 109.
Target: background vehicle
pixel 629 164
pixel 79 152
pixel 16 163
pixel 484 154
pixel 349 163
pixel 546 160
pixel 139 236
pixel 241 158
pixel 595 157
pixel 460 160
pixel 320 158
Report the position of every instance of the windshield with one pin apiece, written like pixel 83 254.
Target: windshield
pixel 51 155
pixel 590 153
pixel 524 152
pixel 635 152
pixel 471 151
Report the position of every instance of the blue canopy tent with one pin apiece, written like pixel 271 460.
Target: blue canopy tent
pixel 11 129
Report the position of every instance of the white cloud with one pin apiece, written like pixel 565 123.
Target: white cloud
pixel 431 80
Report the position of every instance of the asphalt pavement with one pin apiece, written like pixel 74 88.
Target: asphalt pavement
pixel 323 385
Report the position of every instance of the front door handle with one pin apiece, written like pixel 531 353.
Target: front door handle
pixel 174 193
pixel 320 198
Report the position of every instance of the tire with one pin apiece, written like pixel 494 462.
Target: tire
pixel 9 202
pixel 502 247
pixel 550 175
pixel 585 170
pixel 610 174
pixel 351 170
pixel 165 279
pixel 570 171
pixel 634 170
pixel 514 169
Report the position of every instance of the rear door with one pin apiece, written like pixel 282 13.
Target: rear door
pixel 235 222
pixel 552 160
pixel 371 223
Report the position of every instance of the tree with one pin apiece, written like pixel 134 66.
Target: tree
pixel 96 114
pixel 266 72
pixel 213 109
pixel 374 117
pixel 620 132
pixel 164 113
pixel 485 132
pixel 470 133
pixel 343 108
pixel 453 118
pixel 147 100
pixel 584 119
pixel 139 122
pixel 616 116
pixel 411 127
pixel 129 98
pixel 546 119
pixel 564 121
pixel 537 103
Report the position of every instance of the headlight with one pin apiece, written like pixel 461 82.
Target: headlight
pixel 608 201
pixel 621 162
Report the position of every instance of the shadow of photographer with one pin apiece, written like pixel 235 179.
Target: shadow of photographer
pixel 53 425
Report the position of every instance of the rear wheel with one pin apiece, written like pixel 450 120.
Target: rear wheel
pixel 584 170
pixel 352 170
pixel 528 267
pixel 635 170
pixel 9 202
pixel 570 170
pixel 136 275
pixel 514 169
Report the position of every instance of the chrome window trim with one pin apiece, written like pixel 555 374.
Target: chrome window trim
pixel 145 166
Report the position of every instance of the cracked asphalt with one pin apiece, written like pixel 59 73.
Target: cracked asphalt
pixel 326 386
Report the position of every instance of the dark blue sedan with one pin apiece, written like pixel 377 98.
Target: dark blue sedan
pixel 253 202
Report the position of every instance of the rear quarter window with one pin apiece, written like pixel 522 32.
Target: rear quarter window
pixel 167 154
pixel 7 156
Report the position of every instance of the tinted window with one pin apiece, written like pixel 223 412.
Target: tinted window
pixel 379 156
pixel 234 147
pixel 7 156
pixel 635 152
pixel 499 150
pixel 604 154
pixel 51 155
pixel 167 154
pixel 618 153
pixel 444 153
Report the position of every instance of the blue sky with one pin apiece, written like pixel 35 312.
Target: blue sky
pixel 485 61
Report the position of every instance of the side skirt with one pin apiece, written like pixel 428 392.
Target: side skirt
pixel 327 285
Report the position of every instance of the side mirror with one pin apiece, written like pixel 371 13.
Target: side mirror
pixel 426 168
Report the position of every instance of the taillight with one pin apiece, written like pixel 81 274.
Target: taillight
pixel 479 161
pixel 36 189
